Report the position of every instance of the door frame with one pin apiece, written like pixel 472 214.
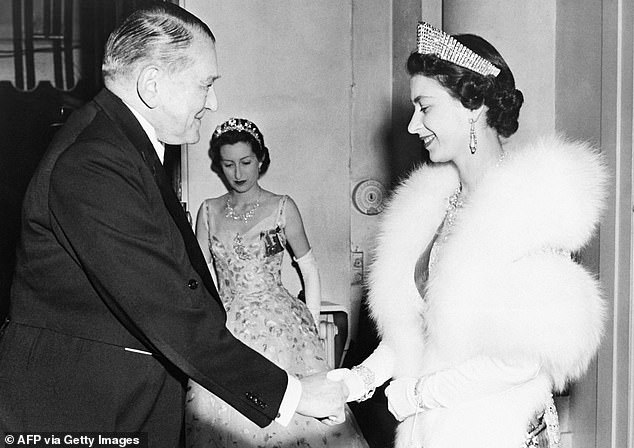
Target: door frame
pixel 615 397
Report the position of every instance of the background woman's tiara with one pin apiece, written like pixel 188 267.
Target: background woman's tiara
pixel 240 125
pixel 430 40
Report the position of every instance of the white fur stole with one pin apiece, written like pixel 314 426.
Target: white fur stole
pixel 501 287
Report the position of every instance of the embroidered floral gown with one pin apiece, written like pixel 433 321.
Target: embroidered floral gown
pixel 266 317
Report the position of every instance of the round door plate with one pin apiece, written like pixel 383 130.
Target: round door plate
pixel 369 197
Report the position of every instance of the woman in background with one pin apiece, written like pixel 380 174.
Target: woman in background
pixel 482 311
pixel 243 235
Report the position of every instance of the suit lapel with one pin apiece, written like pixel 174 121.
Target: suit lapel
pixel 118 112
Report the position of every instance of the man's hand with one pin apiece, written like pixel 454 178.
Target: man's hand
pixel 323 399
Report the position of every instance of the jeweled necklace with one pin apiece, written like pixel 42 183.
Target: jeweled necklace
pixel 246 216
pixel 456 202
pixel 501 158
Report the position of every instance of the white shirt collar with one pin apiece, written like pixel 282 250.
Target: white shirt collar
pixel 150 131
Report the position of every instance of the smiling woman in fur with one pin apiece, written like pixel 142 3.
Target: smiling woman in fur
pixel 482 311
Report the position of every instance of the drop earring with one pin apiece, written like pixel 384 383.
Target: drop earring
pixel 473 140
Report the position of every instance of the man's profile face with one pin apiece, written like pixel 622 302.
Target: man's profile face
pixel 186 94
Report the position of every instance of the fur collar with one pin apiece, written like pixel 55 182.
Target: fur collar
pixel 497 280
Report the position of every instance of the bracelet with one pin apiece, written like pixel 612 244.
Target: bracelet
pixel 418 394
pixel 367 376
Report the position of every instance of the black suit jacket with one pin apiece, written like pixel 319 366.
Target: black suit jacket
pixel 107 255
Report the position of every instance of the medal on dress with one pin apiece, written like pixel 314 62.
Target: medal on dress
pixel 272 241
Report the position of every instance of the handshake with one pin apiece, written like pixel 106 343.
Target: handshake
pixel 325 394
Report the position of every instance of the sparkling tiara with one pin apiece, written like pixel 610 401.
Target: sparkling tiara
pixel 430 40
pixel 240 125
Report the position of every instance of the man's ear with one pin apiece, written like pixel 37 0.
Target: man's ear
pixel 147 85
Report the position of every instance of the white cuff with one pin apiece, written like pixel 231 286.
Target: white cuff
pixel 290 401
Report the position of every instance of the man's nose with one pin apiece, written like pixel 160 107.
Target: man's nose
pixel 211 102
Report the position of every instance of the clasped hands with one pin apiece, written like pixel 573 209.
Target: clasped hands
pixel 401 396
pixel 325 394
pixel 323 399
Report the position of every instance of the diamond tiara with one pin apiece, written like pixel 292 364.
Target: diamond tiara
pixel 240 125
pixel 430 40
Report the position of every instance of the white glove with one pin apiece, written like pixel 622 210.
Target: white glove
pixel 353 382
pixel 312 287
pixel 401 397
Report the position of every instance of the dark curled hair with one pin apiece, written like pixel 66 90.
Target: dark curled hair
pixel 232 137
pixel 472 89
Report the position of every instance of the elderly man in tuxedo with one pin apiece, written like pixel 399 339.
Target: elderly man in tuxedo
pixel 112 305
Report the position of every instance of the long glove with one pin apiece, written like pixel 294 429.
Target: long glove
pixel 473 379
pixel 401 397
pixel 312 287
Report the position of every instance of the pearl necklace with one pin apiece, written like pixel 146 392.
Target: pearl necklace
pixel 245 217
